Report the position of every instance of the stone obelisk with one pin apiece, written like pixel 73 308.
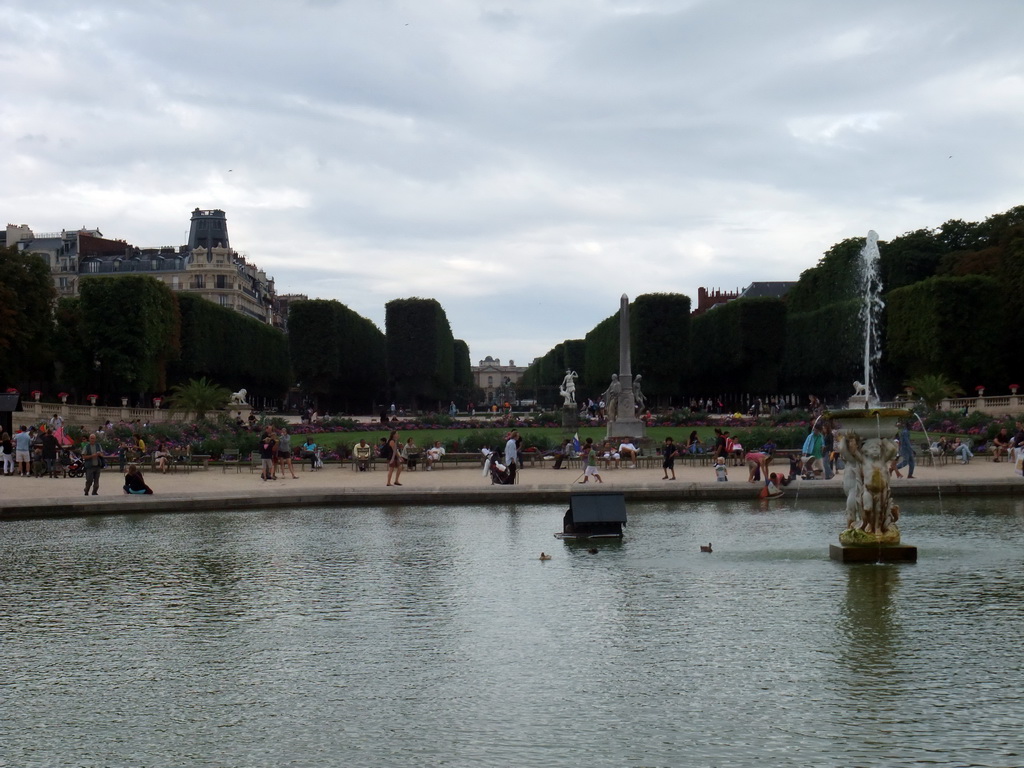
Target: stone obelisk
pixel 625 424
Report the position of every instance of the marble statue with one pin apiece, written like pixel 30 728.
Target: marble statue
pixel 238 398
pixel 638 396
pixel 871 514
pixel 859 390
pixel 568 388
pixel 611 398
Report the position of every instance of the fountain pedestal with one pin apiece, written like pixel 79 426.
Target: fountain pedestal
pixel 898 553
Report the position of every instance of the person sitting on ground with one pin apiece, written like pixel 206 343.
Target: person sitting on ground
pixel 362 451
pixel 134 482
pixel 629 451
pixel 1000 444
pixel 434 454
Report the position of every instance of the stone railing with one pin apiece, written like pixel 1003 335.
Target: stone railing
pixel 1009 405
pixel 91 416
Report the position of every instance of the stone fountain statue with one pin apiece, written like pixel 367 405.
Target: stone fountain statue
pixel 870 513
pixel 867 447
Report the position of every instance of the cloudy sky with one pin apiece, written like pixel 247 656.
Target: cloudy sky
pixel 525 162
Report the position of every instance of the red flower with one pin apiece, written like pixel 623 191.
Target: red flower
pixel 980 387
pixel 62 394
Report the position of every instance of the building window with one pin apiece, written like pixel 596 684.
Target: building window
pixel 223 299
pixel 200 283
pixel 175 283
pixel 222 282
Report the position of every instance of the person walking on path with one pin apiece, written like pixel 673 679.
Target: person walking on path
pixel 394 457
pixel 93 458
pixel 589 456
pixel 906 452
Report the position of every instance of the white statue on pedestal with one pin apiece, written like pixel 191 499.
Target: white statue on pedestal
pixel 568 388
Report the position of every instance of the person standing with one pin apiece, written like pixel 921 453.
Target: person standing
pixel 268 452
pixel 22 449
pixel 284 452
pixel 7 446
pixel 827 450
pixel 93 458
pixel 393 453
pixel 668 458
pixel 512 455
pixel 50 447
pixel 906 451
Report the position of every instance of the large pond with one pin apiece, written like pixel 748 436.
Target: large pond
pixel 436 637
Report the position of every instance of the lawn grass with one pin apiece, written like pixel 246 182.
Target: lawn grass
pixel 541 437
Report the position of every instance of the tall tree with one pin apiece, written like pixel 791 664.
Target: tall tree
pixel 660 337
pixel 132 325
pixel 337 355
pixel 420 349
pixel 26 320
pixel 224 345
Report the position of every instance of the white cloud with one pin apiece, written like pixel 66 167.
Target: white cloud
pixel 532 160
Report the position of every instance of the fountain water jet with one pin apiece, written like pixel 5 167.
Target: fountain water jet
pixel 872 304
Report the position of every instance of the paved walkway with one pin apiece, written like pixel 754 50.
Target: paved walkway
pixel 215 489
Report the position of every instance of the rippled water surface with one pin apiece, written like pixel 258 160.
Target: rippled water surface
pixel 435 637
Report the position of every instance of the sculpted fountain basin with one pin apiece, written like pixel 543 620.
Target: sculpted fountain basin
pixel 867 446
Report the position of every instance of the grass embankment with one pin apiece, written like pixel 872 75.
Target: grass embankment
pixel 494 437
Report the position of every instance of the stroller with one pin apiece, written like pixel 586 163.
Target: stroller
pixel 499 473
pixel 71 463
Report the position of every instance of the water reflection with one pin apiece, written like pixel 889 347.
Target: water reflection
pixel 414 636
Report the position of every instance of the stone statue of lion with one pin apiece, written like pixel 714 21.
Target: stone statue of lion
pixel 238 398
pixel 859 389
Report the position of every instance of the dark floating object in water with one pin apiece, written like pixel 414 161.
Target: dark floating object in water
pixel 705 549
pixel 592 550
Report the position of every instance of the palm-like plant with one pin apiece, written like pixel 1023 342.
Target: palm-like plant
pixel 198 396
pixel 933 388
